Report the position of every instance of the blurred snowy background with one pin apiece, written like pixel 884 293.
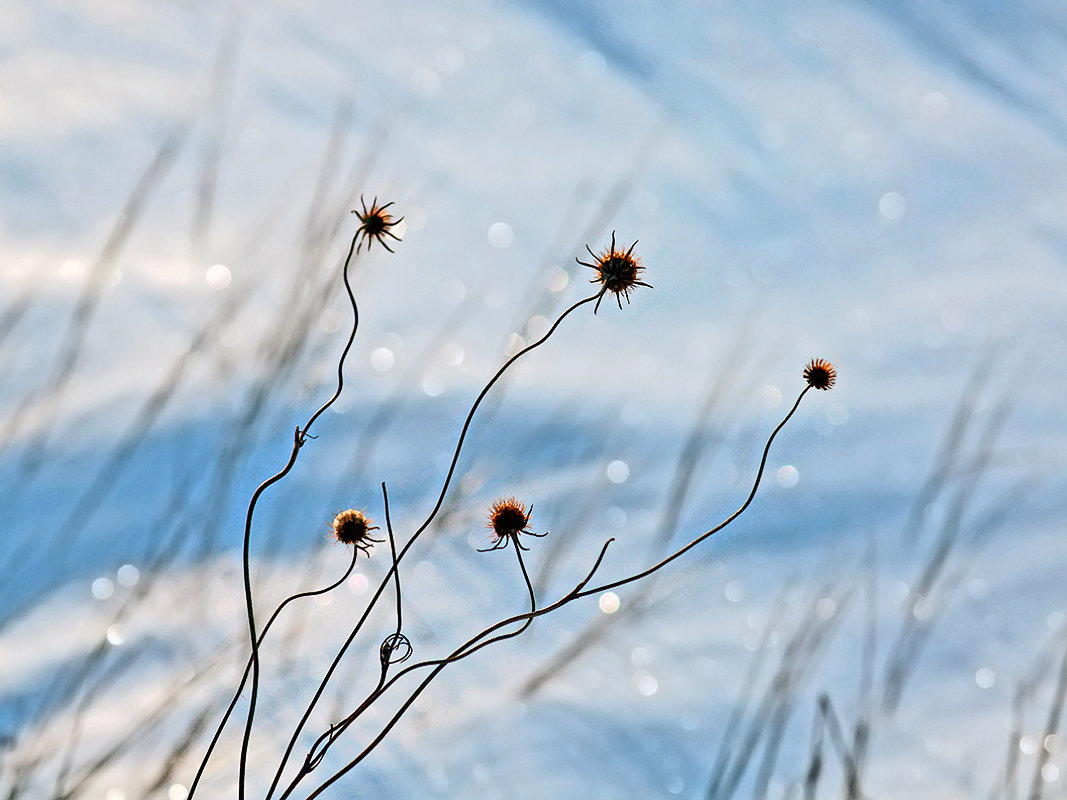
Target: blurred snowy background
pixel 880 183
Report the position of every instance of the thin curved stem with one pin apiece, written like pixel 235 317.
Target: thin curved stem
pixel 475 643
pixel 396 567
pixel 247 572
pixel 300 438
pixel 248 667
pixel 395 640
pixel 525 574
pixel 474 408
pixel 426 523
pixel 348 344
pixel 721 525
pixel 457 655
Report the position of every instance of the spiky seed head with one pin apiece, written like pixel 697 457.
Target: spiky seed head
pixel 508 518
pixel 353 527
pixel 374 224
pixel 617 271
pixel 820 374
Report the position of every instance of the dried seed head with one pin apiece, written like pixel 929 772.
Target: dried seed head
pixel 374 224
pixel 507 519
pixel 617 272
pixel 820 374
pixel 353 527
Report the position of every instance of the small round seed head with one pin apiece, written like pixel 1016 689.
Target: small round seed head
pixel 617 271
pixel 820 374
pixel 375 224
pixel 354 527
pixel 508 517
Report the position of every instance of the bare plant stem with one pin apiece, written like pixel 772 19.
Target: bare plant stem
pixel 396 569
pixel 335 732
pixel 480 640
pixel 248 666
pixel 418 532
pixel 300 437
pixel 440 665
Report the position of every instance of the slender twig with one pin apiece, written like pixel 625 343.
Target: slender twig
pixel 693 451
pixel 248 666
pixel 748 501
pixel 396 568
pixel 299 439
pixel 327 739
pixel 414 537
pixel 480 640
pixel 394 649
pixel 390 645
pixel 462 652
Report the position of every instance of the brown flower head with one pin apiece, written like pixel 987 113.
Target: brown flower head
pixel 820 374
pixel 616 271
pixel 353 527
pixel 374 224
pixel 507 519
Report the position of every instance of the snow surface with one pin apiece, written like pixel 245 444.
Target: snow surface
pixel 877 183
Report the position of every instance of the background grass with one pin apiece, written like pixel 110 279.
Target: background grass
pixel 879 184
